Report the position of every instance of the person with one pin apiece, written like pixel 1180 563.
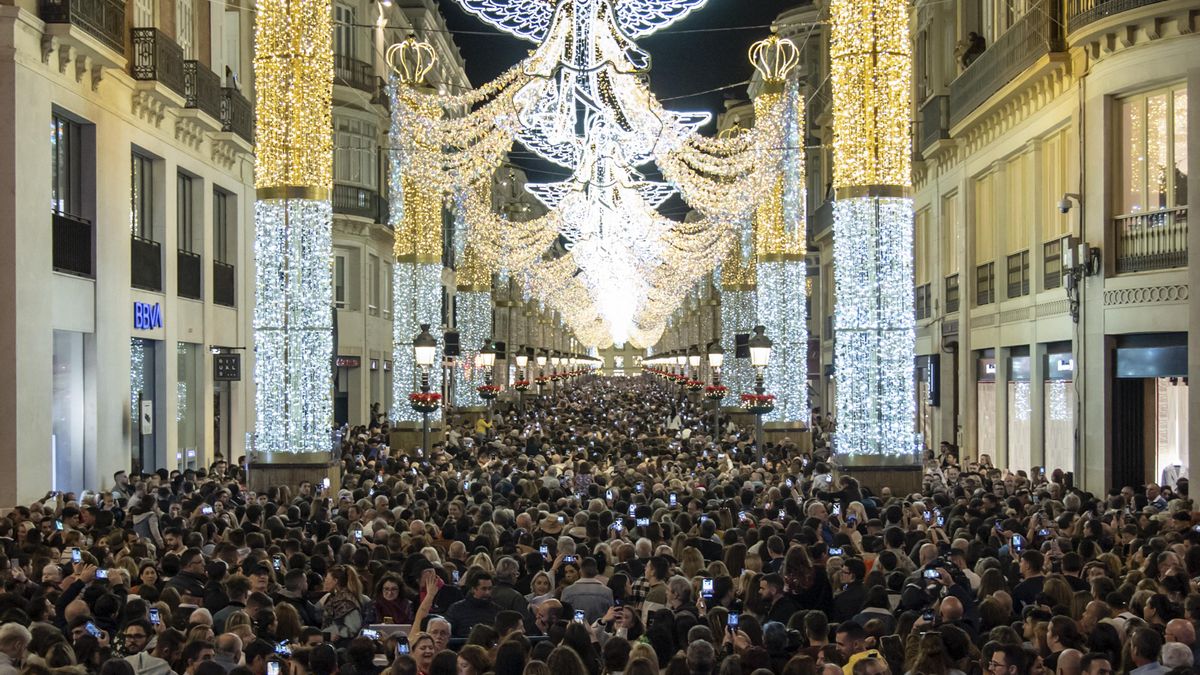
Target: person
pixel 476 608
pixel 14 642
pixel 1144 647
pixel 390 604
pixel 781 605
pixel 341 606
pixel 588 594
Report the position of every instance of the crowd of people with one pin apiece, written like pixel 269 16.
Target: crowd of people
pixel 589 534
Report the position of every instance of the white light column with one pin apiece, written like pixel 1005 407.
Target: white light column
pixel 871 61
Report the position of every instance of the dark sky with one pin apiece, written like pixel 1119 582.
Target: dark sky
pixel 705 51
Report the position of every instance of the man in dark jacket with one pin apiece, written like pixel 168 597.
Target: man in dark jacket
pixel 505 594
pixel 783 606
pixel 477 607
pixel 709 547
pixel 850 601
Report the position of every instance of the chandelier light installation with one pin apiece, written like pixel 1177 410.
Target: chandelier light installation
pixel 871 62
pixel 293 303
pixel 580 100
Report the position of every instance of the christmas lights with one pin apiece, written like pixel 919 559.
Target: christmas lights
pixel 293 325
pixel 781 309
pixel 474 314
pixel 738 315
pixel 417 299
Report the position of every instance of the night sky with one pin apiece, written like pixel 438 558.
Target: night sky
pixel 688 57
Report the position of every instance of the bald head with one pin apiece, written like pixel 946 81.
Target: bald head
pixel 1068 662
pixel 1181 631
pixel 230 645
pixel 951 609
pixel 929 553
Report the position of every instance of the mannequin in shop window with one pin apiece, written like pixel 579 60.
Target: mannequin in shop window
pixel 1171 475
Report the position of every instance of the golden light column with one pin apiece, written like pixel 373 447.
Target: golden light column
pixel 871 63
pixel 293 310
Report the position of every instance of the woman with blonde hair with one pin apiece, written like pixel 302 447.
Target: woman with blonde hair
pixel 541 588
pixel 287 622
pixel 692 562
pixel 536 667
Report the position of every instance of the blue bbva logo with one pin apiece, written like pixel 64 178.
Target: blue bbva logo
pixel 147 316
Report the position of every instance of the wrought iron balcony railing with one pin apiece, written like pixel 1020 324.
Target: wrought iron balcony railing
pixel 202 88
pixel 224 284
pixel 156 57
pixel 102 19
pixel 1154 240
pixel 237 115
pixel 72 245
pixel 1082 12
pixel 354 73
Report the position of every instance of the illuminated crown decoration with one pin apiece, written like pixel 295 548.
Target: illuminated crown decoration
pixel 623 267
pixel 774 58
pixel 411 60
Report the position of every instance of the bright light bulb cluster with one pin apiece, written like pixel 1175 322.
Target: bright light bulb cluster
pixel 417 300
pixel 738 315
pixel 874 349
pixel 473 310
pixel 293 92
pixel 871 69
pixel 137 374
pixel 293 325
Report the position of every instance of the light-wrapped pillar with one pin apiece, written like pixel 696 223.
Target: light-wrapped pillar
pixel 417 299
pixel 871 61
pixel 293 298
pixel 473 313
pixel 779 242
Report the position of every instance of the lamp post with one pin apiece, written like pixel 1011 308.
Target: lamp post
pixel 693 358
pixel 681 360
pixel 522 359
pixel 555 359
pixel 760 355
pixel 716 358
pixel 487 360
pixel 541 363
pixel 424 351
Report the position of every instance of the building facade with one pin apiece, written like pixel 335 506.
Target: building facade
pixel 1055 151
pixel 127 259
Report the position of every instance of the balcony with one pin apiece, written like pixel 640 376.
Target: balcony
pixel 935 121
pixel 1083 12
pixel 350 200
pixel 146 264
pixel 224 284
pixel 354 73
pixel 924 301
pixel 187 275
pixel 822 220
pixel 103 20
pixel 202 89
pixel 156 58
pixel 72 245
pixel 1156 240
pixel 237 115
pixel 1033 36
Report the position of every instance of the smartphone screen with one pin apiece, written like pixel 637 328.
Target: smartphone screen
pixel 76 557
pixel 733 620
pixel 706 588
pixel 402 646
pixel 674 499
pixel 579 616
pixel 93 630
pixel 273 668
pixel 154 616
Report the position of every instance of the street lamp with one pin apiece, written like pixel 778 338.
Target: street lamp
pixel 555 359
pixel 487 361
pixel 760 355
pixel 424 352
pixel 541 362
pixel 693 358
pixel 522 359
pixel 716 357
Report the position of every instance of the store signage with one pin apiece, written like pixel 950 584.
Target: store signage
pixel 147 416
pixel 374 364
pixel 347 361
pixel 1066 365
pixel 990 368
pixel 227 367
pixel 147 316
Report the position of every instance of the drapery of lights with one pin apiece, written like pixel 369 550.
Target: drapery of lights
pixel 137 374
pixel 293 325
pixel 580 101
pixel 738 315
pixel 473 311
pixel 417 299
pixel 293 297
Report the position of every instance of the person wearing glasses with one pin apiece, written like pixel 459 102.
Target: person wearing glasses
pixel 135 637
pixel 1007 659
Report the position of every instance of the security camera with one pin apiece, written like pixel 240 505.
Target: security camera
pixel 1064 205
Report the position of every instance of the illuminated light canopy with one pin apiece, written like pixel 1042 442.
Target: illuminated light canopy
pixel 580 100
pixel 293 298
pixel 874 326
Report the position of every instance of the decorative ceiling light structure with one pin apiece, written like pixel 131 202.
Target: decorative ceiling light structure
pixel 871 62
pixel 580 100
pixel 293 296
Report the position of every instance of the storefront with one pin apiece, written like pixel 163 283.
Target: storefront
pixel 189 405
pixel 144 403
pixel 1058 407
pixel 985 404
pixel 73 397
pixel 1149 408
pixel 1020 410
pixel 928 374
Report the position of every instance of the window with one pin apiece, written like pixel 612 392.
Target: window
pixel 355 153
pixel 373 285
pixel 952 294
pixel 185 210
pixel 1052 264
pixel 223 236
pixel 1018 274
pixel 141 213
pixel 340 265
pixel 185 27
pixel 143 13
pixel 1152 154
pixel 343 30
pixel 924 301
pixel 66 144
pixel 985 284
pixel 387 290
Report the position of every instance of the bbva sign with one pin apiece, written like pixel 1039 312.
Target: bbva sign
pixel 147 316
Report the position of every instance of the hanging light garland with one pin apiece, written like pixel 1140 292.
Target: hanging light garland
pixel 580 100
